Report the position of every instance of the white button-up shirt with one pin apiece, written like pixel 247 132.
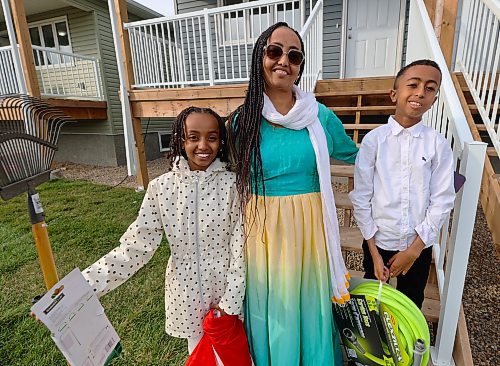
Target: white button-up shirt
pixel 403 185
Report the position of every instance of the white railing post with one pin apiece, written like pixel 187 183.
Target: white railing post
pixel 128 132
pixel 97 79
pixel 471 166
pixel 21 82
pixel 320 43
pixel 464 20
pixel 208 36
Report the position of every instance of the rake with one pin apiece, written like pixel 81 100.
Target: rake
pixel 29 130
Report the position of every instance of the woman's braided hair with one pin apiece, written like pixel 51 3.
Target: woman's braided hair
pixel 244 123
pixel 179 135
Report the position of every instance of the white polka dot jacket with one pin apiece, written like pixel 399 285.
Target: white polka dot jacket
pixel 199 213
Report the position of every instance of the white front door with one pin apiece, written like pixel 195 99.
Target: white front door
pixel 373 32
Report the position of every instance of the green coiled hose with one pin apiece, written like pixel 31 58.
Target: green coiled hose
pixel 411 321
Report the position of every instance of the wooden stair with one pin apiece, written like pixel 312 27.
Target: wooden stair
pixel 363 103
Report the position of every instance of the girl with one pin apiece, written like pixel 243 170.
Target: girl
pixel 195 204
pixel 283 140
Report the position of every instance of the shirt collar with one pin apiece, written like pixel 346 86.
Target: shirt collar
pixel 396 128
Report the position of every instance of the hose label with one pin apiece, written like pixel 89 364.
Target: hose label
pixel 370 332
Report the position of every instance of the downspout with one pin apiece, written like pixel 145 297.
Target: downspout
pixel 128 131
pixel 13 44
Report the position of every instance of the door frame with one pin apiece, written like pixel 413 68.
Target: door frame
pixel 399 46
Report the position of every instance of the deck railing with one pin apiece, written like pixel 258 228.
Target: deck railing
pixel 8 80
pixel 312 35
pixel 451 253
pixel 478 57
pixel 64 74
pixel 207 47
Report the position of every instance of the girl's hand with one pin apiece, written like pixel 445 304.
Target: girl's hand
pixel 221 312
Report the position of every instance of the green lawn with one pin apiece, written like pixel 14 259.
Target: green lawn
pixel 85 222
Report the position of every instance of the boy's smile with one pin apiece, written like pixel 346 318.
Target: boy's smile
pixel 415 93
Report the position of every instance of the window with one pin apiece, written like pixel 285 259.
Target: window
pixel 244 26
pixel 53 33
pixel 164 141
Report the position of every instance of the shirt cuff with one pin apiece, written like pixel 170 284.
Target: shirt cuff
pixel 426 233
pixel 368 231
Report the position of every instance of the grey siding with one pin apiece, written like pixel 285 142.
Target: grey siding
pixel 186 6
pixel 332 36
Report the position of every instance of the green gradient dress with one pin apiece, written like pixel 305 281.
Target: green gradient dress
pixel 288 311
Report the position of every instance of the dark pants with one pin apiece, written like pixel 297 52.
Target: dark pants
pixel 413 283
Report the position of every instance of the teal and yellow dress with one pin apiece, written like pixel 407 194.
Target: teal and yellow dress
pixel 288 311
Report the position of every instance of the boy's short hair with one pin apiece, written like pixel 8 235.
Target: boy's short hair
pixel 424 62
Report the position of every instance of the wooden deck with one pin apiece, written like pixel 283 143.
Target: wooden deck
pixel 81 109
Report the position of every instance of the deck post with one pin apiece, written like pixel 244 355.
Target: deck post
pixel 443 15
pixel 471 166
pixel 21 82
pixel 25 50
pixel 118 14
pixel 447 29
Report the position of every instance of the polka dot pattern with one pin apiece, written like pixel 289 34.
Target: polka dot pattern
pixel 199 214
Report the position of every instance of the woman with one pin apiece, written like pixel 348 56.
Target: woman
pixel 280 136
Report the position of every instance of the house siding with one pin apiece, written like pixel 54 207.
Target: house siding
pixel 184 6
pixel 332 38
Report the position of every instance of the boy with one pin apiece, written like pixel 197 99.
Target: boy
pixel 403 185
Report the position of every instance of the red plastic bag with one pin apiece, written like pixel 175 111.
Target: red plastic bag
pixel 227 336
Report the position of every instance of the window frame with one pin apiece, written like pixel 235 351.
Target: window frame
pixel 160 134
pixel 52 22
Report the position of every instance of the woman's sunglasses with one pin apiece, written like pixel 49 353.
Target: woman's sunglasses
pixel 275 52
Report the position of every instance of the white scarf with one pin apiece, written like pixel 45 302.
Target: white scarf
pixel 304 114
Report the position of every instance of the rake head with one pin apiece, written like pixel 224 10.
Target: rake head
pixel 29 130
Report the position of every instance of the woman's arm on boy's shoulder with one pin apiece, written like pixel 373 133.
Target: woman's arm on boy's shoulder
pixel 442 193
pixel 137 246
pixel 343 147
pixel 232 301
pixel 362 194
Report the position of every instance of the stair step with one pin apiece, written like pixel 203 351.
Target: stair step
pixel 355 85
pixel 365 110
pixel 338 170
pixel 491 151
pixel 342 200
pixel 361 126
pixel 351 239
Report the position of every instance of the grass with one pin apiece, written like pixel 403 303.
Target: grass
pixel 85 222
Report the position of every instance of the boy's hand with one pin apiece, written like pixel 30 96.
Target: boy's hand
pixel 401 262
pixel 380 270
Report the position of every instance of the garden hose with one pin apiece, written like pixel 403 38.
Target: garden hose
pixel 354 341
pixel 411 322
